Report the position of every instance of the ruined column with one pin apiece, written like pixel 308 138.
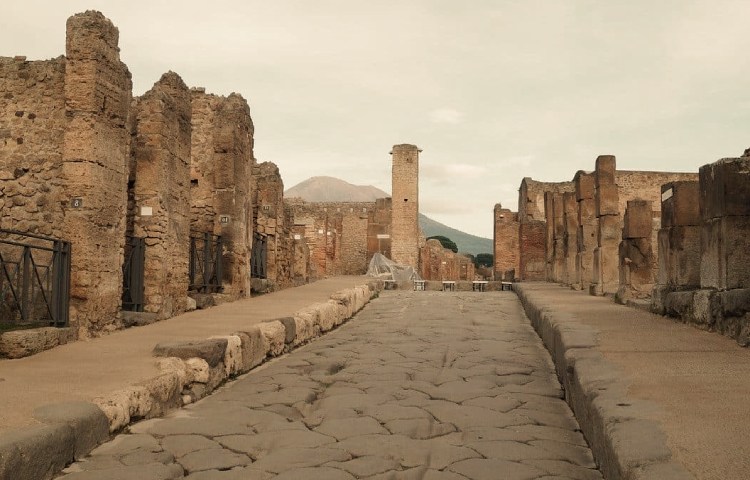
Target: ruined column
pixel 405 221
pixel 606 255
pixel 679 243
pixel 638 264
pixel 161 192
pixel 558 238
pixel 95 157
pixel 269 197
pixel 505 251
pixel 532 236
pixel 221 190
pixel 586 237
pixel 549 233
pixel 570 225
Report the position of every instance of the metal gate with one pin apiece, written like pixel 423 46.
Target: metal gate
pixel 205 262
pixel 258 256
pixel 34 280
pixel 133 274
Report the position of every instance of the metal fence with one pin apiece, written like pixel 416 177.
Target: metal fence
pixel 258 256
pixel 133 274
pixel 34 280
pixel 205 262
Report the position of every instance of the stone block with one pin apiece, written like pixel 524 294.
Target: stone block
pixel 637 221
pixel 306 327
pixel 725 188
pixel 610 228
pixel 254 347
pixel 290 327
pixel 197 369
pixel 232 354
pixel 326 315
pixel 585 186
pixel 89 424
pixel 275 334
pixel 36 452
pixel 663 253
pixel 606 167
pixel 210 350
pixel 680 204
pixel 587 211
pixel 684 259
pixel 340 312
pixel 22 343
pixel 725 260
pixel 607 200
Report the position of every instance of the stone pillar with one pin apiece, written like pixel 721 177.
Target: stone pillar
pixel 549 237
pixel 269 198
pixel 638 264
pixel 354 241
pixel 221 188
pixel 725 217
pixel 679 242
pixel 587 229
pixel 558 238
pixel 161 192
pixel 570 243
pixel 95 158
pixel 606 254
pixel 379 229
pixel 506 250
pixel 532 235
pixel 405 221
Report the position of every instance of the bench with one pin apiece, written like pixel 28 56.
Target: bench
pixel 419 285
pixel 389 285
pixel 479 285
pixel 506 286
pixel 449 286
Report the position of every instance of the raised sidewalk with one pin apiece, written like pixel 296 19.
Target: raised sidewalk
pixel 47 400
pixel 657 399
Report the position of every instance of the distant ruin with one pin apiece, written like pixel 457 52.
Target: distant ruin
pixel 672 242
pixel 157 202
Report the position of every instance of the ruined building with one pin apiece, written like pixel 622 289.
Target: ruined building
pixel 129 204
pixel 676 240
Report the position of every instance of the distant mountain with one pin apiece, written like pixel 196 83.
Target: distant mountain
pixel 330 189
pixel 466 242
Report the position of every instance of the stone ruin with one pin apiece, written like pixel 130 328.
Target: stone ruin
pixel 168 181
pixel 673 242
pixel 173 169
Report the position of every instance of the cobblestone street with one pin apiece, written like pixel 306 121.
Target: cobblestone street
pixel 419 385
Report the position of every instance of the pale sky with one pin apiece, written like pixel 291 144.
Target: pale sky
pixel 491 90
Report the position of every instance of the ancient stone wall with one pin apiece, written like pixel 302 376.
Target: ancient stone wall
pixel 586 238
pixel 438 263
pixel 505 251
pixel 341 236
pixel 405 232
pixel 95 157
pixel 221 169
pixel 160 192
pixel 638 266
pixel 32 130
pixel 269 217
pixel 379 228
pixel 641 185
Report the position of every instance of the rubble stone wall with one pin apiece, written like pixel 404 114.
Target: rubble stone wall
pixel 221 168
pixel 95 157
pixel 32 131
pixel 161 192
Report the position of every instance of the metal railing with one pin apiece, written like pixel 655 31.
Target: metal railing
pixel 205 262
pixel 258 256
pixel 133 274
pixel 34 280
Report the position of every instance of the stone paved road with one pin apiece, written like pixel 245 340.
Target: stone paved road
pixel 419 385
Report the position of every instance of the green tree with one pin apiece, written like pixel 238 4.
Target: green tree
pixel 445 242
pixel 485 260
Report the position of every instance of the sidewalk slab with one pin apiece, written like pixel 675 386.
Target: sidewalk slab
pixel 83 370
pixel 667 383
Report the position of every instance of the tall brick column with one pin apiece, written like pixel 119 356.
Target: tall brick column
pixel 95 157
pixel 606 254
pixel 161 192
pixel 404 216
pixel 570 222
pixel 505 251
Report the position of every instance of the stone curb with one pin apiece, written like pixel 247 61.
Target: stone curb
pixel 190 371
pixel 626 444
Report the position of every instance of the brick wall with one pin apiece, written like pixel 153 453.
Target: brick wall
pixel 505 241
pixel 405 233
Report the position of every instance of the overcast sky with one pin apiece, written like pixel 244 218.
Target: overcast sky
pixel 491 90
